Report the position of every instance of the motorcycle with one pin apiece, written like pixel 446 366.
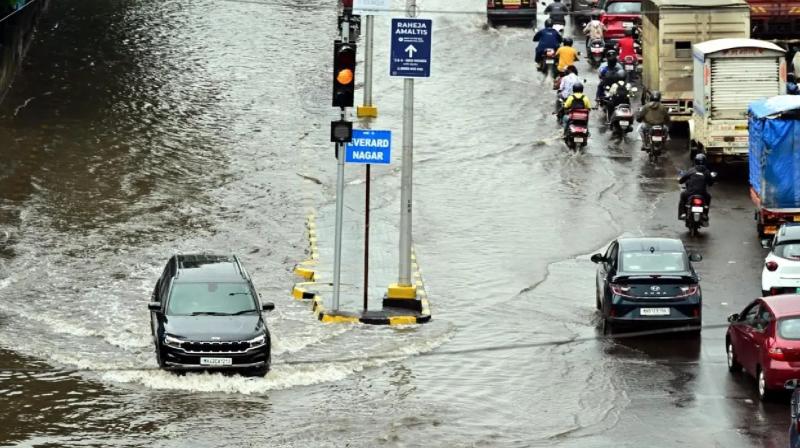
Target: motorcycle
pixel 577 135
pixel 631 68
pixel 696 212
pixel 596 52
pixel 620 119
pixel 653 140
pixel 548 62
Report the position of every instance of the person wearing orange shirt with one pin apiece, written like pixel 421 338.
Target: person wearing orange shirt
pixel 566 55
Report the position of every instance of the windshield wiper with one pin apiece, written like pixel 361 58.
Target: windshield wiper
pixel 209 313
pixel 243 312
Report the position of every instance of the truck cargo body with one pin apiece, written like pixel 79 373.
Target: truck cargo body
pixel 774 125
pixel 728 75
pixel 775 20
pixel 669 29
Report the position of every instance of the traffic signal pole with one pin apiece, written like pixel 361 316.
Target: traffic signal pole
pixel 337 247
pixel 368 110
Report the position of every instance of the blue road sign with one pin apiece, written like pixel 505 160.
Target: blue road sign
pixel 411 48
pixel 369 146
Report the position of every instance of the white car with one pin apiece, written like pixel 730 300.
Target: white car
pixel 781 272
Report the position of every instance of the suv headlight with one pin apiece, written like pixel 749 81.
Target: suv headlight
pixel 171 341
pixel 258 341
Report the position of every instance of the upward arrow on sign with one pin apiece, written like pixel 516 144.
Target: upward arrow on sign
pixel 410 50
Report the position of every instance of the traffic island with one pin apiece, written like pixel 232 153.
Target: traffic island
pixel 401 305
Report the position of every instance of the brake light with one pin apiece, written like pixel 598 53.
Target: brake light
pixel 776 353
pixel 629 59
pixel 772 266
pixel 697 201
pixel 621 290
pixel 687 291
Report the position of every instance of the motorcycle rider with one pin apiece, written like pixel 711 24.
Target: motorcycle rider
pixel 625 45
pixel 652 114
pixel 610 67
pixel 548 38
pixel 566 55
pixel 791 85
pixel 618 91
pixel 565 86
pixel 576 100
pixel 558 12
pixel 697 181
pixel 594 29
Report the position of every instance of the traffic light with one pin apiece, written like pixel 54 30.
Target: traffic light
pixel 344 74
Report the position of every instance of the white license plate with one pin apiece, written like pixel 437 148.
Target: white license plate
pixel 623 123
pixel 549 62
pixel 628 67
pixel 627 24
pixel 697 209
pixel 654 311
pixel 216 361
pixel 578 139
pixel 657 138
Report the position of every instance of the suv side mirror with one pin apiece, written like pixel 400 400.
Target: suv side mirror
pixel 765 243
pixel 154 306
pixel 733 318
pixel 695 257
pixel 598 258
pixel 268 306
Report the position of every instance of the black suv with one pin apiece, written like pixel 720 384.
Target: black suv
pixel 205 314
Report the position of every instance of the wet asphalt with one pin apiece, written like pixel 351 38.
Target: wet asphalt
pixel 136 129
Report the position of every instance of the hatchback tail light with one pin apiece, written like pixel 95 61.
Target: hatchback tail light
pixel 776 353
pixel 687 291
pixel 772 266
pixel 697 201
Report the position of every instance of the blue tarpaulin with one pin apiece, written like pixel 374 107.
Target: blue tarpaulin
pixel 774 152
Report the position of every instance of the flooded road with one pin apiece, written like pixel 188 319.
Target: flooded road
pixel 141 128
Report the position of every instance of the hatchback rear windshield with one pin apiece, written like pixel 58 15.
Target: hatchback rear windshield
pixel 653 262
pixel 210 298
pixel 790 250
pixel 624 8
pixel 789 328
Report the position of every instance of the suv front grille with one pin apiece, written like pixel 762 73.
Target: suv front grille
pixel 214 347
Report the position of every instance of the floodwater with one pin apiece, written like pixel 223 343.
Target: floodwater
pixel 140 128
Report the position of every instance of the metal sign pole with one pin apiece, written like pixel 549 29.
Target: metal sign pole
pixel 406 172
pixel 368 41
pixel 366 241
pixel 337 247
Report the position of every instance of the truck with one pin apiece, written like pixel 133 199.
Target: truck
pixel 774 159
pixel 728 74
pixel 775 20
pixel 669 29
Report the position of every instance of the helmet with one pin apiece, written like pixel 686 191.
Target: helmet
pixel 620 75
pixel 548 23
pixel 700 160
pixel 577 87
pixel 611 54
pixel 655 95
pixel 568 41
pixel 790 77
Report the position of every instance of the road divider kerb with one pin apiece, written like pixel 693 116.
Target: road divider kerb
pixel 309 290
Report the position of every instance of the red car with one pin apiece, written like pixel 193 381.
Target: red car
pixel 764 339
pixel 619 15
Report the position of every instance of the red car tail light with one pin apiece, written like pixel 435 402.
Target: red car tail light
pixel 697 201
pixel 772 266
pixel 687 291
pixel 776 353
pixel 621 290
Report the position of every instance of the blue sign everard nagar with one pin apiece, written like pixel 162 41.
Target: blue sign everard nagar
pixel 369 146
pixel 411 48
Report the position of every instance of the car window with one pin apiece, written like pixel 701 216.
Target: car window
pixel 654 262
pixel 748 316
pixel 788 249
pixel 789 328
pixel 212 297
pixel 624 8
pixel 763 318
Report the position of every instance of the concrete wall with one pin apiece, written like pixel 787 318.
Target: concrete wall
pixel 16 35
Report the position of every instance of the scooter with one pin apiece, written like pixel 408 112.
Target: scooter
pixel 630 65
pixel 620 119
pixel 548 62
pixel 696 212
pixel 596 52
pixel 577 135
pixel 559 27
pixel 654 138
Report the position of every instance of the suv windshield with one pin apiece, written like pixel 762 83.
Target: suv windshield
pixel 188 299
pixel 789 249
pixel 789 328
pixel 624 8
pixel 653 262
